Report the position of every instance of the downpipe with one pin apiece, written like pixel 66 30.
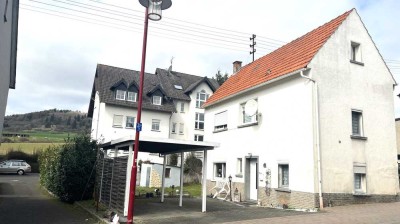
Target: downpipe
pixel 317 143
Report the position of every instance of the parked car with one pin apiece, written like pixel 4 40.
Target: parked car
pixel 15 166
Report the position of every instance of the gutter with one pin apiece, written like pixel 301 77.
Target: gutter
pixel 317 133
pixel 257 86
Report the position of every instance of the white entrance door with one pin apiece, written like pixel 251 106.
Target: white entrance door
pixel 253 179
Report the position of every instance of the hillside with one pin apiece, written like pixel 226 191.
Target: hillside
pixel 47 120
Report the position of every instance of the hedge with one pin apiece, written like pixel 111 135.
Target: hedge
pixel 66 170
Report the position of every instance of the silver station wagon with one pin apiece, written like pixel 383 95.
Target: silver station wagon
pixel 15 166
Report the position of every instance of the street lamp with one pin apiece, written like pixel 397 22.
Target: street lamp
pixel 230 186
pixel 153 12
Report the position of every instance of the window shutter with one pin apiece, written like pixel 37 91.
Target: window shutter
pixel 221 118
pixel 360 169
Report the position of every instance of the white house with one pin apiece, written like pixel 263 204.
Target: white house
pixel 310 124
pixel 151 175
pixel 8 51
pixel 171 105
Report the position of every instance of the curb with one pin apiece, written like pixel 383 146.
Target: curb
pixel 100 219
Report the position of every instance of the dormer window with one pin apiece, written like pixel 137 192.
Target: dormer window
pixel 157 100
pixel 120 94
pixel 201 98
pixel 132 96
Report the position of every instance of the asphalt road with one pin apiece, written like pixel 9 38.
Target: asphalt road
pixel 22 201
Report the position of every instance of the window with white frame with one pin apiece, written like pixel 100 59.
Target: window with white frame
pixel 359 178
pixel 155 125
pixel 173 130
pixel 239 166
pixel 167 172
pixel 199 121
pixel 221 121
pixel 356 123
pixel 247 118
pixel 130 122
pixel 181 128
pixel 199 138
pixel 355 52
pixel 117 121
pixel 283 175
pixel 157 100
pixel 132 96
pixel 120 94
pixel 219 170
pixel 182 107
pixel 201 98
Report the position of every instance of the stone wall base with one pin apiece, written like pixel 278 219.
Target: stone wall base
pixel 337 199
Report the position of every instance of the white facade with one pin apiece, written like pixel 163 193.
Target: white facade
pixel 8 52
pixel 298 119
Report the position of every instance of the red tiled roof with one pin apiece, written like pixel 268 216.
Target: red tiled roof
pixel 289 58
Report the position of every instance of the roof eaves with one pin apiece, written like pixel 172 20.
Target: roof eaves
pixel 255 87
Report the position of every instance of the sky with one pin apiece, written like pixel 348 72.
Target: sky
pixel 61 42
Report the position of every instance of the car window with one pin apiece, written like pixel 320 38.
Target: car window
pixel 16 164
pixel 23 164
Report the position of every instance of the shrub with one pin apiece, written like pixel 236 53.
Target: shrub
pixel 193 167
pixel 66 170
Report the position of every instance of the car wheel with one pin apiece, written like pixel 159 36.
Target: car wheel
pixel 20 172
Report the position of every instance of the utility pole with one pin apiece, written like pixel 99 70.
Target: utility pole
pixel 252 46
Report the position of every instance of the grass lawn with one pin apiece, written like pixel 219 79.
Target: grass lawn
pixel 44 136
pixel 193 189
pixel 28 148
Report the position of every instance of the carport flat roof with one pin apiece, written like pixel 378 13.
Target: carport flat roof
pixel 160 145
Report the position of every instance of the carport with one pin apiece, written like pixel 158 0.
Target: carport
pixel 163 147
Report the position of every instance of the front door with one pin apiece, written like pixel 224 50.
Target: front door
pixel 253 179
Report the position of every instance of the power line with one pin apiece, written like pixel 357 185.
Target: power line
pixel 194 41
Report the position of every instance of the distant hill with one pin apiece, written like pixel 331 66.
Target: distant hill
pixel 48 120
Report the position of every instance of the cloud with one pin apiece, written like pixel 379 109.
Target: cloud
pixel 57 57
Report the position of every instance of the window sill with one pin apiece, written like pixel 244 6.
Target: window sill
pixel 182 112
pixel 358 137
pixel 173 133
pixel 199 129
pixel 129 127
pixel 117 126
pixel 248 124
pixel 357 62
pixel 181 134
pixel 221 130
pixel 361 194
pixel 281 189
pixel 156 130
pixel 239 175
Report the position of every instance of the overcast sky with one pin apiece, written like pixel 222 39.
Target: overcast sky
pixel 57 56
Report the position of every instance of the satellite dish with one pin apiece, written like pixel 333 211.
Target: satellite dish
pixel 251 107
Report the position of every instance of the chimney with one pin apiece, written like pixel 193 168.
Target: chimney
pixel 237 65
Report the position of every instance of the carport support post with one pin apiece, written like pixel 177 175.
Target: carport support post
pixel 181 193
pixel 204 183
pixel 163 179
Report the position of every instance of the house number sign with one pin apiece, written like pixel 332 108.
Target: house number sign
pixel 138 126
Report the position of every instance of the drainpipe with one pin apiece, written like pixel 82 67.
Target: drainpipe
pixel 316 107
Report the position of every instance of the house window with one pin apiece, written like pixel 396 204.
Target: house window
pixel 355 52
pixel 130 122
pixel 132 96
pixel 283 170
pixel 198 138
pixel 356 123
pixel 167 172
pixel 239 166
pixel 182 107
pixel 120 94
pixel 181 127
pixel 157 100
pixel 173 131
pixel 201 98
pixel 199 121
pixel 219 170
pixel 117 121
pixel 221 121
pixel 155 125
pixel 359 178
pixel 246 117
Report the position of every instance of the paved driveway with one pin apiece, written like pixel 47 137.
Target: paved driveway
pixel 22 201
